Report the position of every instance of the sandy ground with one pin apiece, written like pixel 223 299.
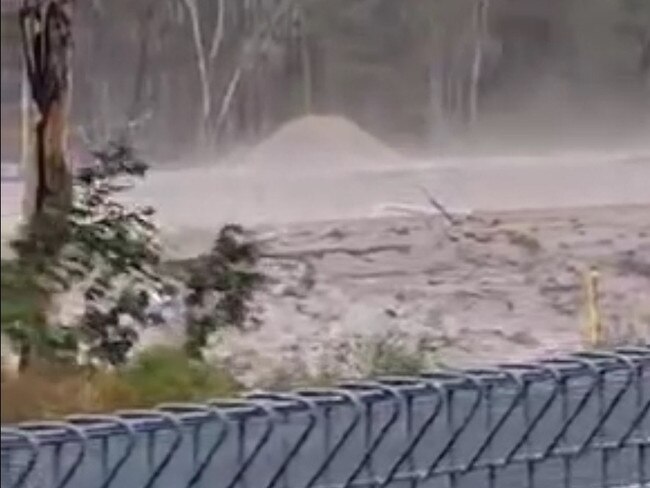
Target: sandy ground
pixel 358 256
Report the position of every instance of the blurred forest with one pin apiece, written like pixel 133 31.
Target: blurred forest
pixel 203 76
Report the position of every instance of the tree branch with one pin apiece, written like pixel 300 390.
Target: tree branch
pixel 193 11
pixel 217 38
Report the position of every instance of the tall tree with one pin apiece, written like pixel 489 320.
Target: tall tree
pixel 47 45
pixel 480 31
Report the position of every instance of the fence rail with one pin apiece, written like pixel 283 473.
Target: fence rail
pixel 579 421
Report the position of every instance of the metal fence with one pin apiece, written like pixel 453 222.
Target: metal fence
pixel 580 421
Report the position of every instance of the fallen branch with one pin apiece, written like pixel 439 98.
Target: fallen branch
pixel 439 207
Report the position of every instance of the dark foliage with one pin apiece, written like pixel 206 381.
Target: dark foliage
pixel 221 285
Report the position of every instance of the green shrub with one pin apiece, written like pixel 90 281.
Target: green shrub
pixel 23 306
pixel 386 356
pixel 165 374
pixel 21 297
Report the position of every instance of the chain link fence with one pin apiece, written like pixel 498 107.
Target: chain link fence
pixel 580 421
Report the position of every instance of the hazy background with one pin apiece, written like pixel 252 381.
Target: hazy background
pixel 555 75
pixel 302 118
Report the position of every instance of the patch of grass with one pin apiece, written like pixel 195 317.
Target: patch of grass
pixel 284 379
pixel 47 390
pixel 626 333
pixel 387 357
pixel 165 374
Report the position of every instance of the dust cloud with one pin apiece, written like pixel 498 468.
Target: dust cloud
pixel 322 185
pixel 327 168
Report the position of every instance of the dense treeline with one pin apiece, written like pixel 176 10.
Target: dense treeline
pixel 205 74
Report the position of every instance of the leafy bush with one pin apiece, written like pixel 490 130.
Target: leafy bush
pixel 21 296
pixel 24 321
pixel 101 246
pixel 221 285
pixel 110 253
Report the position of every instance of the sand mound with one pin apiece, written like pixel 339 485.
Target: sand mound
pixel 320 142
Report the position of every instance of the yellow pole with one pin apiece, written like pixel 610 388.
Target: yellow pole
pixel 594 330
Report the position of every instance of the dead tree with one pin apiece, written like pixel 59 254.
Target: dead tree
pixel 480 29
pixel 47 45
pixel 644 61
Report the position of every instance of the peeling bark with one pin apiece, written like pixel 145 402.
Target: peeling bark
pixel 47 46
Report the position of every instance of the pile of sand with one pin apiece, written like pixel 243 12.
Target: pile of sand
pixel 321 142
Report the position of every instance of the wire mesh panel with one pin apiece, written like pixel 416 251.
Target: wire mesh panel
pixel 575 422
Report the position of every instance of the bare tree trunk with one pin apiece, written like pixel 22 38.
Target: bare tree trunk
pixel 104 125
pixel 438 123
pixel 480 27
pixel 217 38
pixel 306 76
pixel 228 97
pixel 46 30
pixel 202 67
pixel 644 61
pixel 28 156
pixel 143 64
pixel 246 57
pixel 25 122
pixel 457 79
pixel 306 65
